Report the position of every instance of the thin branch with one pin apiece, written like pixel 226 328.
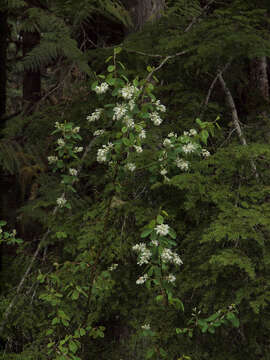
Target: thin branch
pixel 235 119
pixel 211 88
pixel 195 19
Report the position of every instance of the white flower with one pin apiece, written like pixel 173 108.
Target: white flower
pixel 61 201
pixel 171 257
pixel 160 107
pixel 131 104
pixel 73 172
pixel 171 278
pixel 142 134
pixel 98 132
pixel 163 172
pixel 167 143
pixel 182 164
pixel 146 327
pixel 129 122
pixel 162 229
pixel 128 91
pixel 205 153
pixel 76 130
pixel 1 231
pixel 172 135
pixel 186 133
pixel 142 279
pixel 102 88
pixel 189 148
pixel 119 111
pixel 138 149
pixel 78 149
pixel 102 153
pixel 61 142
pixel 95 115
pixel 192 132
pixel 113 267
pixel 144 253
pixel 52 159
pixel 14 232
pixel 131 167
pixel 155 242
pixel 155 118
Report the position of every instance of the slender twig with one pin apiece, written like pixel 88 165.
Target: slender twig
pixel 211 88
pixel 235 119
pixel 196 18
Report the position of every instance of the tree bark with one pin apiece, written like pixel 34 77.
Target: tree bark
pixel 259 76
pixel 142 11
pixel 31 78
pixel 3 61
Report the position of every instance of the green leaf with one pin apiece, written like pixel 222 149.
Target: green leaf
pixel 75 295
pixel 160 219
pixel 146 232
pixel 126 141
pixel 150 353
pixel 117 50
pixel 82 332
pixel 73 347
pixel 172 233
pixel 111 68
pixel 3 223
pixel 108 59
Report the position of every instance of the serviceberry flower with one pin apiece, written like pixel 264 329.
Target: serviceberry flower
pixel 61 201
pixel 128 91
pixel 162 229
pixel 172 135
pixel 167 143
pixel 102 88
pixel 155 118
pixel 61 142
pixel 98 132
pixel 138 148
pixel 142 134
pixel 146 327
pixel 113 267
pixel 182 164
pixel 163 172
pixel 160 107
pixel 76 130
pixel 78 149
pixel 189 148
pixel 205 153
pixel 171 278
pixel 142 279
pixel 119 111
pixel 52 159
pixel 94 116
pixel 192 132
pixel 143 253
pixel 129 122
pixel 73 172
pixel 131 167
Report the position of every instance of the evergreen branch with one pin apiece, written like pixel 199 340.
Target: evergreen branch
pixel 235 118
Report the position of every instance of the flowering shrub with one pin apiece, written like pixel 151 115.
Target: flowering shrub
pixel 129 112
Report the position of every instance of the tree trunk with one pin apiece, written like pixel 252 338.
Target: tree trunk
pixel 259 76
pixel 31 78
pixel 142 11
pixel 3 60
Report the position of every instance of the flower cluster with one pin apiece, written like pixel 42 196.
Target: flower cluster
pixel 119 111
pixel 144 253
pixel 113 267
pixel 73 172
pixel 146 327
pixel 94 116
pixel 103 152
pixel 170 278
pixel 102 88
pixel 128 91
pixel 52 159
pixel 61 202
pixel 168 256
pixel 131 167
pixel 191 132
pixel 142 279
pixel 182 164
pixel 162 229
pixel 155 118
pixel 99 132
